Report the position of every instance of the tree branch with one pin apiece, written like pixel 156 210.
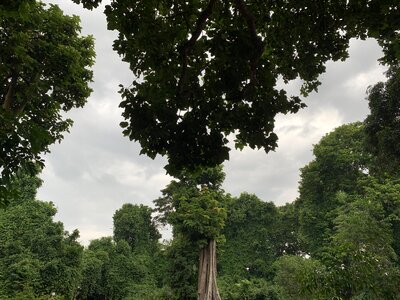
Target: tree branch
pixel 188 45
pixel 256 40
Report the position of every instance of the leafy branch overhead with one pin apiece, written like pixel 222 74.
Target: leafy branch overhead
pixel 44 71
pixel 208 69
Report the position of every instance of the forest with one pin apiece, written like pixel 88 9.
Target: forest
pixel 339 239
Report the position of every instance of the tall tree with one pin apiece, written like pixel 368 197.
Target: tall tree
pixel 217 68
pixel 383 123
pixel 340 162
pixel 196 208
pixel 349 219
pixel 44 71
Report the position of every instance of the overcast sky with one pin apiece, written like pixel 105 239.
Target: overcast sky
pixel 95 169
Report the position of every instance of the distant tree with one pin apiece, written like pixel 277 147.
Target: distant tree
pixel 93 270
pixel 196 208
pixel 382 125
pixel 250 232
pixel 340 162
pixel 134 224
pixel 44 71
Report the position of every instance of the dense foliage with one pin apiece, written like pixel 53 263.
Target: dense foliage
pixel 44 72
pixel 133 224
pixel 216 73
pixel 37 257
pixel 383 123
pixel 339 163
pixel 195 204
pixel 127 265
pixel 250 234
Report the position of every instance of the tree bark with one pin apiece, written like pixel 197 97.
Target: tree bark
pixel 207 288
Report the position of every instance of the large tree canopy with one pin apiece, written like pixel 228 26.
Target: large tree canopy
pixel 206 69
pixel 44 71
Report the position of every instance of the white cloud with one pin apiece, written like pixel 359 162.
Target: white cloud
pixel 362 80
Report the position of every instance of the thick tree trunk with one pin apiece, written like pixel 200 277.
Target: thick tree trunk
pixel 207 281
